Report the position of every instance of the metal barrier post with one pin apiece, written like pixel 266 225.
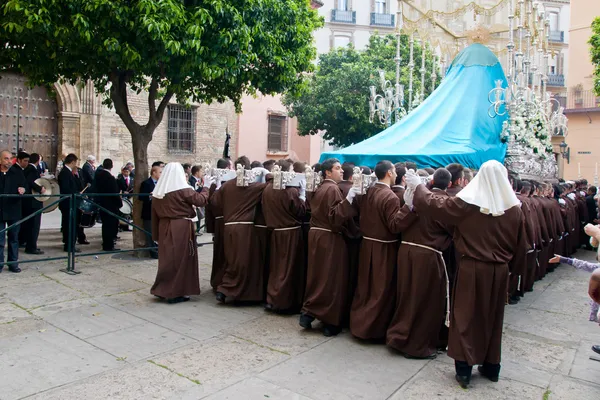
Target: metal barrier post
pixel 70 245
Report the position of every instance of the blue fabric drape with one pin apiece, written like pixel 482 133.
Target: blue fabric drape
pixel 451 125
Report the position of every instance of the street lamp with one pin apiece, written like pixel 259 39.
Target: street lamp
pixel 565 151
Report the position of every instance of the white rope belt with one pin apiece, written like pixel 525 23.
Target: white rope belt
pixel 380 241
pixel 240 223
pixel 221 217
pixel 321 229
pixel 286 229
pixel 260 226
pixel 445 271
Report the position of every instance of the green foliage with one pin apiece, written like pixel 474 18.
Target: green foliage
pixel 594 43
pixel 335 98
pixel 197 50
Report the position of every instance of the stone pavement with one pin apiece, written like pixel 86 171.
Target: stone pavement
pixel 101 335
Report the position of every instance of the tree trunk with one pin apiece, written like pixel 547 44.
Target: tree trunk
pixel 141 135
pixel 140 140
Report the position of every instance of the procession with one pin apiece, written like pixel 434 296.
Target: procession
pixel 300 199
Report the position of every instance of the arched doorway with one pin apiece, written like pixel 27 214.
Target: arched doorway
pixel 36 112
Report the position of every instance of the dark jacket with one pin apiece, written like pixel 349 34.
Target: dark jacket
pixel 87 174
pixel 10 208
pixel 31 174
pixel 123 185
pixel 193 181
pixel 147 187
pixel 106 183
pixel 68 184
pixel 592 208
pixel 42 167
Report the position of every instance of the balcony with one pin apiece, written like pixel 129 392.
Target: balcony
pixel 582 101
pixel 557 36
pixel 347 17
pixel 556 80
pixel 553 80
pixel 382 19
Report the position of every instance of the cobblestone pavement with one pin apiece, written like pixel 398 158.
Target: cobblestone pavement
pixel 101 335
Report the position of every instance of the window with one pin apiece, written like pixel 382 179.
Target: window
pixel 342 5
pixel 380 6
pixel 182 129
pixel 341 41
pixel 552 70
pixel 278 135
pixel 553 16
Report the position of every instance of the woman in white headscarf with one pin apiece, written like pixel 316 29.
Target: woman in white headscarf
pixel 173 213
pixel 490 238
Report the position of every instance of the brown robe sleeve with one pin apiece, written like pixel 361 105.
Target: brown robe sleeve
pixel 542 223
pixel 518 263
pixel 450 210
pixel 155 220
pixel 340 210
pixel 297 206
pixel 398 218
pixel 196 199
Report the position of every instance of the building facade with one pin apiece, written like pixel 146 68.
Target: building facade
pixel 582 145
pixel 72 119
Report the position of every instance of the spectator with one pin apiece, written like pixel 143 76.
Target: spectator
pixel 30 231
pixel 12 181
pixel 88 170
pixel 107 184
pixel 68 183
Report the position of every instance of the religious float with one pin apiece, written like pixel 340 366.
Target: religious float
pixel 478 112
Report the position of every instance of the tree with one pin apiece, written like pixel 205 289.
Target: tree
pixel 191 50
pixel 335 99
pixel 594 43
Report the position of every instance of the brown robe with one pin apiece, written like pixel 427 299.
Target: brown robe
pixel 421 287
pixel 326 295
pixel 381 219
pixel 177 274
pixel 399 191
pixel 527 271
pixel 215 213
pixel 490 247
pixel 284 211
pixel 243 278
pixel 353 238
pixel 543 251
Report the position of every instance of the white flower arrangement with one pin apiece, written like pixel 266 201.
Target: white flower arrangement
pixel 530 130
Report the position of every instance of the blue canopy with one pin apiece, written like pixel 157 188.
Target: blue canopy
pixel 451 126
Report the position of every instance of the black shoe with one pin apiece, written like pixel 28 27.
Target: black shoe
pixel 463 381
pixel 117 238
pixel 36 251
pixel 306 321
pixel 268 307
pixel 153 255
pixel 111 249
pixel 484 372
pixel 220 297
pixel 16 270
pixel 595 348
pixel 513 300
pixel 331 330
pixel 178 300
pixel 83 242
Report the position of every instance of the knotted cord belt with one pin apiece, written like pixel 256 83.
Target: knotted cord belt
pixel 447 323
pixel 286 229
pixel 239 223
pixel 379 240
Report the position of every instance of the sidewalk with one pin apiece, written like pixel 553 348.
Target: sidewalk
pixel 101 335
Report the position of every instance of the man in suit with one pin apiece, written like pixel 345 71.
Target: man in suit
pixel 12 181
pixel 147 187
pixel 107 183
pixel 69 184
pixel 195 180
pixel 125 181
pixel 30 229
pixel 42 166
pixel 88 170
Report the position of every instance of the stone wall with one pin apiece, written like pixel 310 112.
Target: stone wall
pixel 96 129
